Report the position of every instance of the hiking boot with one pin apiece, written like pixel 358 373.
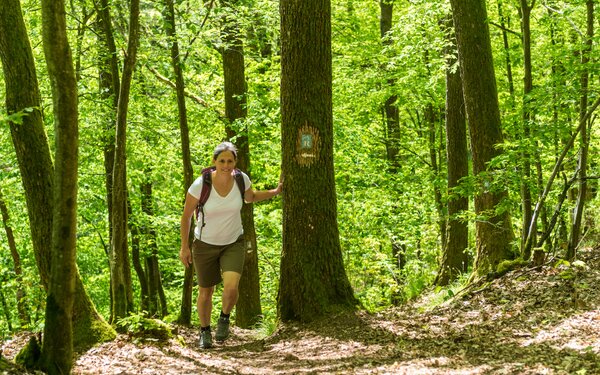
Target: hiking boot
pixel 222 329
pixel 205 340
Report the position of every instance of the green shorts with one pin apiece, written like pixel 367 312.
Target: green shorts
pixel 211 260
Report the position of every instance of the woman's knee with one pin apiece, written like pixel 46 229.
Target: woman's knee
pixel 205 294
pixel 231 289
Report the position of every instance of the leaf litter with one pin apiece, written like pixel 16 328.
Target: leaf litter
pixel 543 320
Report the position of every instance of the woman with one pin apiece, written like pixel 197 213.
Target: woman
pixel 218 247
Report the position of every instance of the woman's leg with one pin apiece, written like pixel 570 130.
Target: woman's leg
pixel 204 305
pixel 231 281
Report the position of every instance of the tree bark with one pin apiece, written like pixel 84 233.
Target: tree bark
pixel 313 280
pixel 493 230
pixel 57 349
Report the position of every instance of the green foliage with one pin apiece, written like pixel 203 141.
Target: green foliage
pixel 17 117
pixel 265 328
pixel 439 295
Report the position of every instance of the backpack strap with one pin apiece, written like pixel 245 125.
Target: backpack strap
pixel 207 187
pixel 204 193
pixel 239 179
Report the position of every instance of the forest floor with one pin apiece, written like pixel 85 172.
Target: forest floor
pixel 530 321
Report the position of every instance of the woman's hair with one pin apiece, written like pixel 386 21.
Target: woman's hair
pixel 225 146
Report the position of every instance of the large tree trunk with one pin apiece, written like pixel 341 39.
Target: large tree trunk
pixel 248 310
pixel 121 288
pixel 454 257
pixel 29 138
pixel 35 164
pixel 582 164
pixel 57 349
pixel 493 231
pixel 313 279
pixel 12 245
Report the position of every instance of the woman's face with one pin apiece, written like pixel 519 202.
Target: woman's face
pixel 225 162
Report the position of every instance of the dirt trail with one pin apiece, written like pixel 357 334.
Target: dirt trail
pixel 544 321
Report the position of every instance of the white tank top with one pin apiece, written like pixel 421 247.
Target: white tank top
pixel 223 220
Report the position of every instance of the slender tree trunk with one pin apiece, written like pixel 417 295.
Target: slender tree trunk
pixel 504 25
pixel 248 310
pixel 35 164
pixel 152 267
pixel 5 307
pixel 161 294
pixel 136 259
pixel 454 258
pixel 583 155
pixel 185 313
pixel 57 349
pixel 313 279
pixel 430 119
pixel 82 26
pixel 390 108
pixel 527 118
pixel 22 308
pixel 121 288
pixel 561 240
pixel 391 116
pixel 493 230
pixel 110 86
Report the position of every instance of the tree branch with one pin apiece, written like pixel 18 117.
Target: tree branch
pixel 190 95
pixel 505 29
pixel 568 19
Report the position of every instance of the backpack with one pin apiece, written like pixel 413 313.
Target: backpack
pixel 207 187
